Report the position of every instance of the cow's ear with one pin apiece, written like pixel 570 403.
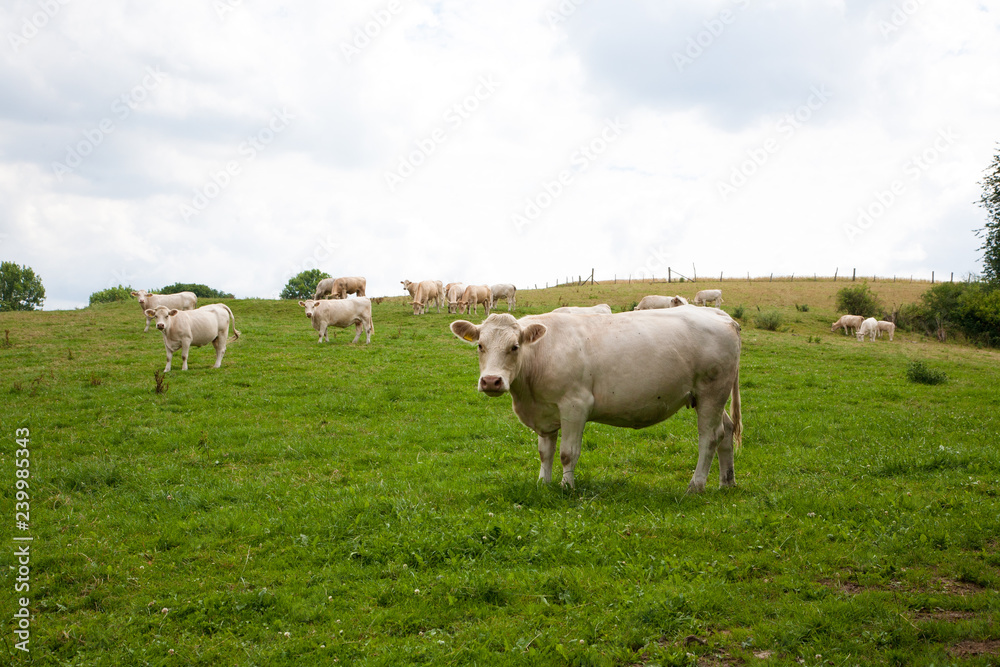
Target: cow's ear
pixel 172 312
pixel 302 303
pixel 150 312
pixel 135 294
pixel 465 330
pixel 532 333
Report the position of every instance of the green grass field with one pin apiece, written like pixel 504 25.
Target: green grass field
pixel 346 504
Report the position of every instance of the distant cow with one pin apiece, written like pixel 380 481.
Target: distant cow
pixel 655 301
pixel 341 313
pixel 348 285
pixel 885 326
pixel 475 295
pixel 323 288
pixel 180 301
pixel 184 328
pixel 704 296
pixel 599 309
pixel 849 323
pixel 869 327
pixel 504 291
pixel 453 295
pixel 425 292
pixel 633 369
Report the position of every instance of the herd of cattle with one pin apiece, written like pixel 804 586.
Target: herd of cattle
pixel 562 369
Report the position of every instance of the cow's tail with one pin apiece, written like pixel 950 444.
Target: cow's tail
pixel 233 318
pixel 735 413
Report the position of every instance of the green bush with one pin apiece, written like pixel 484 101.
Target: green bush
pixel 804 308
pixel 969 309
pixel 739 312
pixel 201 291
pixel 111 295
pixel 769 320
pixel 20 288
pixel 858 300
pixel 303 286
pixel 918 371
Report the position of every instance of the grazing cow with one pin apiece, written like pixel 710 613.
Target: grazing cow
pixel 180 301
pixel 847 323
pixel 182 329
pixel 453 294
pixel 323 288
pixel 348 285
pixel 655 301
pixel 504 291
pixel 341 313
pixel 599 309
pixel 633 369
pixel 868 328
pixel 426 291
pixel 475 295
pixel 704 296
pixel 885 326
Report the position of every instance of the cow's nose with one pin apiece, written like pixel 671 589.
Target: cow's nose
pixel 491 383
pixel 160 327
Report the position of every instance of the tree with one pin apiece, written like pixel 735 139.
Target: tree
pixel 303 286
pixel 20 288
pixel 112 294
pixel 990 233
pixel 200 291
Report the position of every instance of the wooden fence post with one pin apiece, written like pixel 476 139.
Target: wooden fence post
pixel 835 274
pixel 668 274
pixel 854 275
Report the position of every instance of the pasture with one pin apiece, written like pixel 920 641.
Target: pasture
pixel 364 505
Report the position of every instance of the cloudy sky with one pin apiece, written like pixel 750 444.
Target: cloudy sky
pixel 238 142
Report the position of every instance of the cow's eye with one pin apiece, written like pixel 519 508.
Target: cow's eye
pixel 515 347
pixel 481 347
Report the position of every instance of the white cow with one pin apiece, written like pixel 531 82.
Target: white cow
pixel 184 328
pixel 504 291
pixel 341 313
pixel 323 288
pixel 599 309
pixel 655 301
pixel 632 369
pixel 847 323
pixel 180 301
pixel 347 285
pixel 475 295
pixel 868 328
pixel 704 296
pixel 425 292
pixel 884 326
pixel 410 287
pixel 453 294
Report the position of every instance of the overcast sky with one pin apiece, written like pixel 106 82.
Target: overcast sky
pixel 238 142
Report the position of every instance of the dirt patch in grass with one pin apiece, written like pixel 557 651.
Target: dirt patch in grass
pixel 948 615
pixel 849 587
pixel 969 648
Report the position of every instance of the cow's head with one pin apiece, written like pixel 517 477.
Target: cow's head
pixel 406 284
pixel 161 314
pixel 309 305
pixel 141 295
pixel 417 307
pixel 501 339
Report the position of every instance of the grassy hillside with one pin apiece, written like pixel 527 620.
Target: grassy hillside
pixel 352 504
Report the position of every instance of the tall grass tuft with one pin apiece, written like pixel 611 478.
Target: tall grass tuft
pixel 769 320
pixel 739 312
pixel 919 372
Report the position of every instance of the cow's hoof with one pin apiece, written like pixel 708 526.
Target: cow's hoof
pixel 694 487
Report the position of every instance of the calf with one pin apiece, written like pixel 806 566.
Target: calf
pixel 869 327
pixel 704 296
pixel 180 301
pixel 884 326
pixel 633 369
pixel 341 313
pixel 182 329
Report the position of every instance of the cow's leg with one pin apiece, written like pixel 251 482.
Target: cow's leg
pixel 569 447
pixel 357 331
pixel 220 348
pixel 487 307
pixel 546 452
pixel 322 332
pixel 185 348
pixel 369 328
pixel 170 357
pixel 710 434
pixel 147 326
pixel 727 467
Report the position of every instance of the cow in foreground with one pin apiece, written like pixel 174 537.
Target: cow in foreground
pixel 632 369
pixel 849 323
pixel 425 292
pixel 884 326
pixel 180 301
pixel 475 295
pixel 656 301
pixel 504 291
pixel 184 328
pixel 704 296
pixel 869 327
pixel 341 313
pixel 599 309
